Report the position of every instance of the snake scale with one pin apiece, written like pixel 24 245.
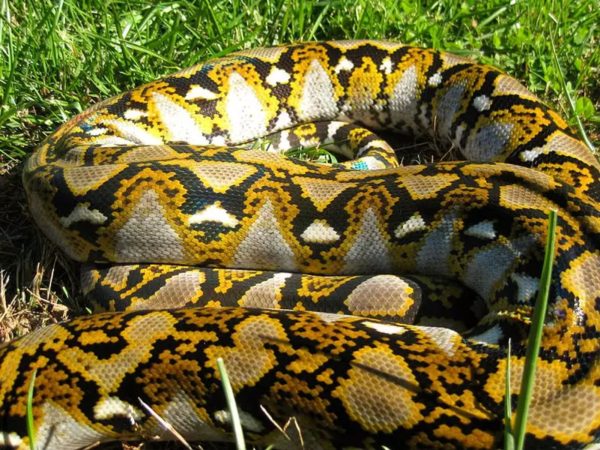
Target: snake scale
pixel 200 246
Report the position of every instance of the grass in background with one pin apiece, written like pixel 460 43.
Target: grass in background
pixel 58 57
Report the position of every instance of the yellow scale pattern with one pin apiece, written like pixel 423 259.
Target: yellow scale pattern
pixel 369 302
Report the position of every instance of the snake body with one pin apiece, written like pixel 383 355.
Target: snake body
pixel 158 189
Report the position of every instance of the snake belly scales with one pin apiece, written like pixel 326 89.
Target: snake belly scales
pixel 199 245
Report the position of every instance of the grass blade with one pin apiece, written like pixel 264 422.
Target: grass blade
pixel 565 89
pixel 166 425
pixel 235 416
pixel 535 336
pixel 509 439
pixel 30 422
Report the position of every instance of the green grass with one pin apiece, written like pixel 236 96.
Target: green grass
pixel 58 57
pixel 234 414
pixel 514 436
pixel 30 420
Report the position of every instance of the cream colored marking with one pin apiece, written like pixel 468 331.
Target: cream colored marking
pixel 110 141
pixel 134 114
pixel 283 121
pixel 582 277
pixel 81 180
pixel 218 141
pixel 482 103
pixel 147 234
pixel 283 144
pixel 321 192
pixel 264 246
pixel 447 108
pixel 427 186
pixel 188 418
pixel 386 328
pixel 490 336
pixel 369 252
pixel 333 127
pixel 197 92
pixel 318 97
pixel 482 230
pixel 320 232
pixel 181 125
pixel 220 176
pixel 249 423
pixel 507 85
pixel 450 59
pixel 333 317
pixel 344 64
pixel 571 411
pixel 415 223
pixel 82 213
pixel 528 286
pixel 489 143
pixel 117 275
pixel 434 256
pixel 403 102
pixel 531 155
pixel 379 404
pixel 266 294
pixel 445 339
pixel 178 291
pixel 245 112
pixel 488 269
pixel 348 43
pixel 133 133
pixel 249 359
pixel 97 131
pixel 60 430
pixel 355 43
pixel 109 408
pixel 386 65
pixel 435 80
pixel 270 54
pixel 519 197
pixel 11 439
pixel 214 213
pixel 140 334
pixel 379 144
pixel 277 76
pixel 382 295
pixel 148 153
pixel 564 145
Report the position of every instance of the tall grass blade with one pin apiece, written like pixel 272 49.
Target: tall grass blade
pixel 535 336
pixel 509 439
pixel 235 416
pixel 29 412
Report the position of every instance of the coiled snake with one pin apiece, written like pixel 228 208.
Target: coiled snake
pixel 158 189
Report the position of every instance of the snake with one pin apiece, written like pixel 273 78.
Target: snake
pixel 362 303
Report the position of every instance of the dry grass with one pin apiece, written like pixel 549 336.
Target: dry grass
pixel 36 281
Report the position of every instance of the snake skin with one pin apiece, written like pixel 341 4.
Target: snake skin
pixel 419 274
